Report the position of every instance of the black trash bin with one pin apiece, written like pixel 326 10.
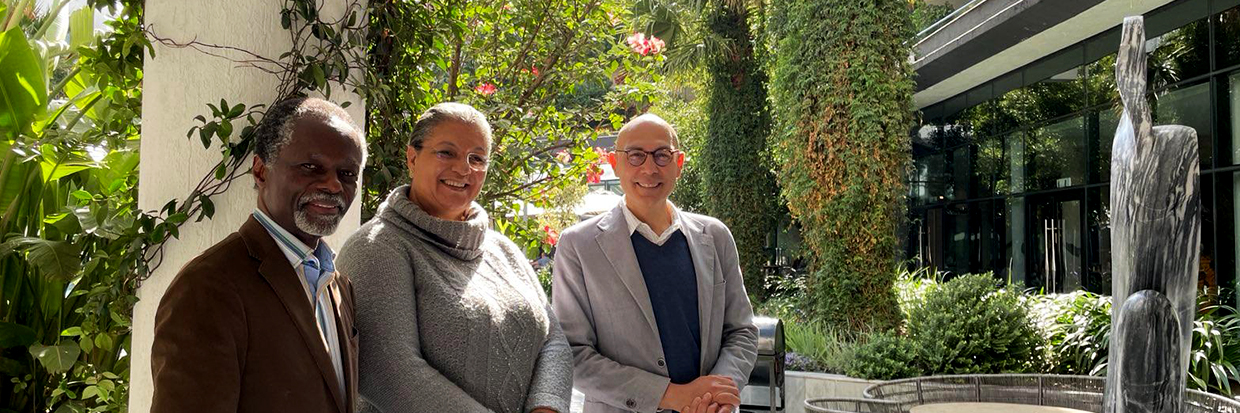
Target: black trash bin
pixel 768 371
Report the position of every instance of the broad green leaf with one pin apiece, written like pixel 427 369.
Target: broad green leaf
pixel 23 90
pixel 103 341
pixel 56 259
pixel 86 219
pixel 53 172
pixel 56 359
pixel 81 27
pixel 71 407
pixel 16 335
pixel 72 332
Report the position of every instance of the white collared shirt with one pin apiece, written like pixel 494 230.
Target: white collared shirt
pixel 320 301
pixel 636 225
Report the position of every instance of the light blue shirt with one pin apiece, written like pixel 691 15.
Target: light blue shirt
pixel 316 269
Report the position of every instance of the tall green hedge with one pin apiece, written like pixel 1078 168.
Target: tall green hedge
pixel 737 182
pixel 843 90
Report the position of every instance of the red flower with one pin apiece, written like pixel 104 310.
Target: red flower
pixel 594 174
pixel 655 45
pixel 553 236
pixel 637 42
pixel 534 70
pixel 486 89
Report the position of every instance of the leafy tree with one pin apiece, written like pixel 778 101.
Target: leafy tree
pixel 842 86
pixel 550 75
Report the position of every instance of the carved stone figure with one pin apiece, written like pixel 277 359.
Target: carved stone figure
pixel 1156 239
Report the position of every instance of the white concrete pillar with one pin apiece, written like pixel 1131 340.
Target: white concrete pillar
pixel 179 83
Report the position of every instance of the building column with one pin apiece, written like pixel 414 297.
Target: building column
pixel 178 84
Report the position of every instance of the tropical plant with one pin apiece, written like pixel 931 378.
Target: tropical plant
pixel 1214 361
pixel 1077 328
pixel 550 75
pixel 842 84
pixel 72 240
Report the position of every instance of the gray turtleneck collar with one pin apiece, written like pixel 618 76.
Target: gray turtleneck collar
pixel 460 239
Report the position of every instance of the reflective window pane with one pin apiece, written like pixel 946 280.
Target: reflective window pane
pixel 1188 106
pixel 956 223
pixel 1014 245
pixel 990 168
pixel 1057 155
pixel 1048 98
pixel 1178 55
pixel 1016 163
pixel 1100 85
pixel 1228 111
pixel 1207 275
pixel 1227 38
pixel 986 233
pixel 1227 189
pixel 1098 270
pixel 1102 140
pixel 928 184
pixel 960 167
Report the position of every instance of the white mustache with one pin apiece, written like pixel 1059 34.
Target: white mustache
pixel 322 198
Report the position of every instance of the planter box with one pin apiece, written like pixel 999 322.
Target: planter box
pixel 802 385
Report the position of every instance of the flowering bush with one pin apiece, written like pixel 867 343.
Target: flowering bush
pixel 642 45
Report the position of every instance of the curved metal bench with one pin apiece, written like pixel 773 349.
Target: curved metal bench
pixel 1074 392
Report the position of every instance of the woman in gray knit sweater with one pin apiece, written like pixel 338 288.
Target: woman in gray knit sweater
pixel 450 316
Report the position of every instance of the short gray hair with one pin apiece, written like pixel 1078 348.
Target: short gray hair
pixel 275 131
pixel 447 111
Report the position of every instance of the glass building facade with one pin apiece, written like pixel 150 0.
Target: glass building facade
pixel 1013 176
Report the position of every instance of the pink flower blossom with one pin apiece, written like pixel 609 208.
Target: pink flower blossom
pixel 594 174
pixel 486 89
pixel 642 45
pixel 553 236
pixel 656 45
pixel 563 156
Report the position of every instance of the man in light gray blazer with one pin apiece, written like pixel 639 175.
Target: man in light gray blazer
pixel 651 297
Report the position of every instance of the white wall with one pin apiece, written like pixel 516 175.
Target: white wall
pixel 178 85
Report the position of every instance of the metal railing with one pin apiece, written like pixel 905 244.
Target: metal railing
pixel 1074 392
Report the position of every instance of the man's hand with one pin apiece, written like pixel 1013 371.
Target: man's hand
pixel 722 389
pixel 708 404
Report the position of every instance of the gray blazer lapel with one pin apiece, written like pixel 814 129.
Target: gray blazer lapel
pixel 617 245
pixel 702 249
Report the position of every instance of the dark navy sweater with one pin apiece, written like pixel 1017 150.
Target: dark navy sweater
pixel 672 284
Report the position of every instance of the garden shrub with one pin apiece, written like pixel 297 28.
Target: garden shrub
pixel 841 82
pixel 884 356
pixel 970 326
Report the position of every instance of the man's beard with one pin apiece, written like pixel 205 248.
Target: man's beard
pixel 318 226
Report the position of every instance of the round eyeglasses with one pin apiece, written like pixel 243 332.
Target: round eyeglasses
pixel 637 157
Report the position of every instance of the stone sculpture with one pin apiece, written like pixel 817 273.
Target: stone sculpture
pixel 1156 237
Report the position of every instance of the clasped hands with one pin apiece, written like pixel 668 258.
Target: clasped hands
pixel 706 394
